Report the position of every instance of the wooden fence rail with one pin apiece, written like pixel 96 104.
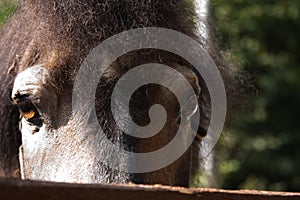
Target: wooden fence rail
pixel 21 190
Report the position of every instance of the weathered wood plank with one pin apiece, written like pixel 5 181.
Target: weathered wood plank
pixel 20 190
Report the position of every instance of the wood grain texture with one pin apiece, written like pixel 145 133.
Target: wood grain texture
pixel 20 190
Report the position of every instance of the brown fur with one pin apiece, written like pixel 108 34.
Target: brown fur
pixel 59 33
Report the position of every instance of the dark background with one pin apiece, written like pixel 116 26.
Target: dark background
pixel 261 148
pixel 260 38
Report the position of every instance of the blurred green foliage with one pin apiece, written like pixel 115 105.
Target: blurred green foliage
pixel 7 7
pixel 262 37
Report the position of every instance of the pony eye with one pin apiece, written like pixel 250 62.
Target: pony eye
pixel 29 112
pixel 28 115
